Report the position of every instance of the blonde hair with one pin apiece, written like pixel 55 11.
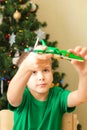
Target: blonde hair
pixel 22 57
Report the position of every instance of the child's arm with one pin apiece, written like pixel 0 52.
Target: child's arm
pixel 80 95
pixel 16 86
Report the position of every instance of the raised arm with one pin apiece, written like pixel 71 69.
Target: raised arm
pixel 31 63
pixel 80 95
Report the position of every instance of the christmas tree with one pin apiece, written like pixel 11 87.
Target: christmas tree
pixel 19 27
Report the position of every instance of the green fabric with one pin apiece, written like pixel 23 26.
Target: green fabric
pixel 41 115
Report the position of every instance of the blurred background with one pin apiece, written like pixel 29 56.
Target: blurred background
pixel 19 27
pixel 67 23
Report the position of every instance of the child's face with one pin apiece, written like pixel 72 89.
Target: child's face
pixel 40 81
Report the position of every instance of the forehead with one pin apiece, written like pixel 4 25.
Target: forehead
pixel 47 66
pixel 49 63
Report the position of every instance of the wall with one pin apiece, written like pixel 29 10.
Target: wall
pixel 67 23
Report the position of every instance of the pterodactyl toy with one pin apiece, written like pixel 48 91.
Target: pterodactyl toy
pixel 62 54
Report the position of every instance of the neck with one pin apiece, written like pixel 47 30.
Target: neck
pixel 39 96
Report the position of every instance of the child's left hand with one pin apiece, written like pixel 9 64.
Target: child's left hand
pixel 81 67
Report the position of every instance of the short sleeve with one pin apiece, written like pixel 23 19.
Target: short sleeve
pixel 64 101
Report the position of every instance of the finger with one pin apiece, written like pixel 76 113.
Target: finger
pixel 43 56
pixel 41 47
pixel 83 52
pixel 85 57
pixel 76 50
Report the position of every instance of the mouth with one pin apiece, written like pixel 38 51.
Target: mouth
pixel 42 85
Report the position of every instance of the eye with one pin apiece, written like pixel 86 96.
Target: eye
pixel 34 72
pixel 46 70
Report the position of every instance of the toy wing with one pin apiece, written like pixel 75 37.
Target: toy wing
pixel 70 56
pixel 62 54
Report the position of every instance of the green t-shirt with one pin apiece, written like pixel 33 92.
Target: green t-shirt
pixel 41 115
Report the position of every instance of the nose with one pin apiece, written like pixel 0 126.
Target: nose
pixel 40 76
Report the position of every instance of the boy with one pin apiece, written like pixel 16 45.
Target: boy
pixel 39 106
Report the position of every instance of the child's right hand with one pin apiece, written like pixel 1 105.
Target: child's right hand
pixel 36 61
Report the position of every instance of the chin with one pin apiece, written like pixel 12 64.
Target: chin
pixel 43 91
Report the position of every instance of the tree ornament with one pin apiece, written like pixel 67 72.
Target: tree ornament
pixel 6 1
pixel 8 81
pixel 1 1
pixel 52 85
pixel 20 0
pixel 1 18
pixel 2 86
pixel 17 15
pixel 2 8
pixel 14 67
pixel 27 17
pixel 20 31
pixel 27 46
pixel 7 36
pixel 23 1
pixel 16 57
pixel 4 71
pixel 40 36
pixel 22 43
pixel 23 6
pixel 33 7
pixel 12 39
